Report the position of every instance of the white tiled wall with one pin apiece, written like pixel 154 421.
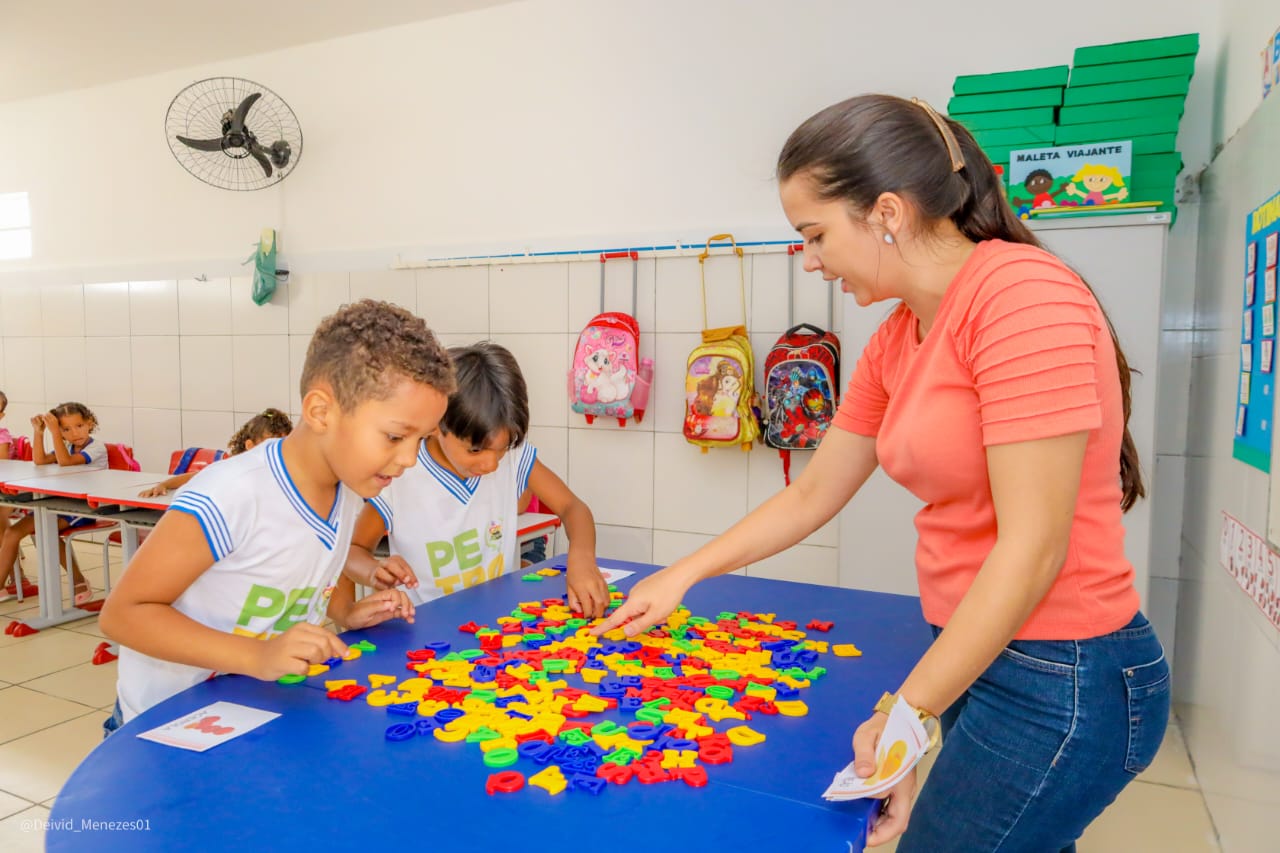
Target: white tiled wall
pixel 204 307
pixel 173 363
pixel 1227 674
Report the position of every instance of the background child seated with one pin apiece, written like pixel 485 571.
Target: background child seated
pixel 451 518
pixel 270 423
pixel 237 576
pixel 73 444
pixel 7 588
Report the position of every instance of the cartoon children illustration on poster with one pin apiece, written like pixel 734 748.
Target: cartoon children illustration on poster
pixel 1097 179
pixel 1039 185
pixel 1070 176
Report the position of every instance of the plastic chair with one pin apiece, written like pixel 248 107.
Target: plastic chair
pixel 120 458
pixel 193 459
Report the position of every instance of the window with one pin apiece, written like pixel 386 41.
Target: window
pixel 15 226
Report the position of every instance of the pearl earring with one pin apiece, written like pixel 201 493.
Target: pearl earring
pixel 888 238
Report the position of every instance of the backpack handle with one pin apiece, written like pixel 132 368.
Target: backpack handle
pixel 792 250
pixel 742 274
pixel 791 331
pixel 635 276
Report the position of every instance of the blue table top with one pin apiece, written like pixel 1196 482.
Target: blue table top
pixel 324 774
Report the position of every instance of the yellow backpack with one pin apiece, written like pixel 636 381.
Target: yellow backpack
pixel 720 377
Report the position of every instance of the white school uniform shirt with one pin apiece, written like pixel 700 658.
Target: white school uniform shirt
pixel 455 533
pixel 277 562
pixel 94 454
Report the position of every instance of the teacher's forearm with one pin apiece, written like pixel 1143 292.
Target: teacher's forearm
pixel 1007 589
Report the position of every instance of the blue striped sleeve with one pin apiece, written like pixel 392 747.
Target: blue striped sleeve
pixel 87 457
pixel 384 509
pixel 528 455
pixel 211 520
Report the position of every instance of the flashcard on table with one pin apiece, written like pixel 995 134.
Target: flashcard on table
pixel 1268 286
pixel 609 575
pixel 1268 349
pixel 209 726
pixel 902 744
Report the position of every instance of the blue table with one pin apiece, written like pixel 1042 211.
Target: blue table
pixel 324 776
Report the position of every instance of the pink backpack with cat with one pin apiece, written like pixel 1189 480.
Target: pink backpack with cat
pixel 608 377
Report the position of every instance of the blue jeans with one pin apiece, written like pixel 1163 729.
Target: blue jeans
pixel 115 721
pixel 1042 742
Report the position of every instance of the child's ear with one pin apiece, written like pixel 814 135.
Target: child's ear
pixel 319 407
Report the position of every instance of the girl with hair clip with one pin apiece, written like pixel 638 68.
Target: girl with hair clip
pixel 270 423
pixel 74 424
pixel 997 393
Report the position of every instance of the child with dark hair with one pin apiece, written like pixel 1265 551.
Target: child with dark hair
pixel 74 423
pixel 451 519
pixel 237 576
pixel 270 423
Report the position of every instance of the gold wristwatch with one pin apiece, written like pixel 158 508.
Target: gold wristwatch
pixel 932 727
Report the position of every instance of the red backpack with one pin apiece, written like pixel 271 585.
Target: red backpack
pixel 801 382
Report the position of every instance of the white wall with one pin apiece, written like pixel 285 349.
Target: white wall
pixel 173 363
pixel 1246 26
pixel 530 124
pixel 1227 682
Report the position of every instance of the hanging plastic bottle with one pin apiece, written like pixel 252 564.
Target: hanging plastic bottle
pixel 644 381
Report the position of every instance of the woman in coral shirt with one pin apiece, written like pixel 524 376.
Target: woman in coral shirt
pixel 995 392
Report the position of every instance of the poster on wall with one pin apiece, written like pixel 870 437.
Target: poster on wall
pixel 1255 567
pixel 1271 64
pixel 1256 385
pixel 1070 176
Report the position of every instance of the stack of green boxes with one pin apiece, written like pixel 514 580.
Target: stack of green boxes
pixel 1133 90
pixel 1127 91
pixel 1010 110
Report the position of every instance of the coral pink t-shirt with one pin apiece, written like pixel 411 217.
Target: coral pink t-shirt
pixel 1019 351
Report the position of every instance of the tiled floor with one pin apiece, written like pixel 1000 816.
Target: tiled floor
pixel 53 701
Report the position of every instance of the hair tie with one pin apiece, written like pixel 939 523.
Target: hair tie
pixel 949 138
